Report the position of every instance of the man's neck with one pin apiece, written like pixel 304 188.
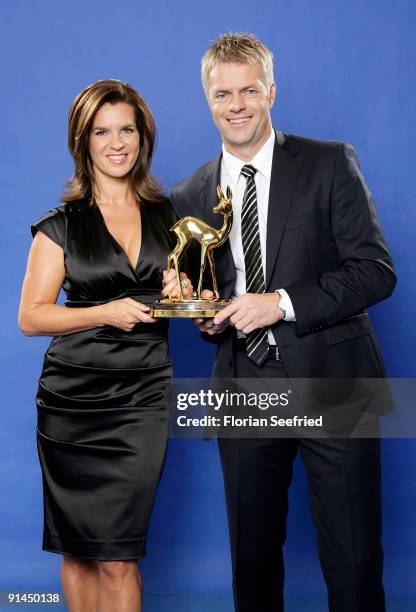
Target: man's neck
pixel 247 152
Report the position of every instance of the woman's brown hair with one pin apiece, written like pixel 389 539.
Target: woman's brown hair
pixel 81 116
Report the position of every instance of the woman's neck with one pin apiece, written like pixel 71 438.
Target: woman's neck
pixel 113 192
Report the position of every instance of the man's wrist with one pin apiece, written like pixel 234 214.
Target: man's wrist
pixel 282 310
pixel 285 304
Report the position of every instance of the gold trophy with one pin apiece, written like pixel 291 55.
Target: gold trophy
pixel 186 230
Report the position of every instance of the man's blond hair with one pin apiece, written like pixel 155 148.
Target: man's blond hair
pixel 239 47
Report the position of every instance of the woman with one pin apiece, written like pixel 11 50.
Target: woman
pixel 103 392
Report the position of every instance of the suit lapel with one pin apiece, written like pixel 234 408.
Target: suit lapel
pixel 208 191
pixel 208 198
pixel 285 170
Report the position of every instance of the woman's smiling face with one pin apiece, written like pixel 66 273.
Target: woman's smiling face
pixel 114 141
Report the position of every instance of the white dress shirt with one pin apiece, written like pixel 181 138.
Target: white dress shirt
pixel 231 175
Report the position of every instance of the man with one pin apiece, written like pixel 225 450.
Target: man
pixel 305 257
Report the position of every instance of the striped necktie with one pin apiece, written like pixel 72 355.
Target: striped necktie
pixel 257 346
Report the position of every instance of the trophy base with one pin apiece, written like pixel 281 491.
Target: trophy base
pixel 194 309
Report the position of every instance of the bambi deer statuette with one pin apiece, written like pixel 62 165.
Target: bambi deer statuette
pixel 189 228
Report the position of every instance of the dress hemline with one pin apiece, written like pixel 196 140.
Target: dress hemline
pixel 96 551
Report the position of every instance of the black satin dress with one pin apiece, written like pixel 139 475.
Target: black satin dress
pixel 103 393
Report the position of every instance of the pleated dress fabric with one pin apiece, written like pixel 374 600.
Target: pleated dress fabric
pixel 103 395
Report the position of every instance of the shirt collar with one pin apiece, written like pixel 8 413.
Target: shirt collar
pixel 262 161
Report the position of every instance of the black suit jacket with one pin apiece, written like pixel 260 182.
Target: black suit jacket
pixel 324 246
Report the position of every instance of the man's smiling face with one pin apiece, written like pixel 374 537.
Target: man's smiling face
pixel 240 103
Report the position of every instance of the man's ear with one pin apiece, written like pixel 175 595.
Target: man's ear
pixel 272 94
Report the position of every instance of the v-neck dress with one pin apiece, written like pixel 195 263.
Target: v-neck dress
pixel 103 393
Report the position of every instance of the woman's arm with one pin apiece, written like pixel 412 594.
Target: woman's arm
pixel 39 315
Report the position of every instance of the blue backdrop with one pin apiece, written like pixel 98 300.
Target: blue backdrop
pixel 344 70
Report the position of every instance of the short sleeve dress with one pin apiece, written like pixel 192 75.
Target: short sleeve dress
pixel 103 393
